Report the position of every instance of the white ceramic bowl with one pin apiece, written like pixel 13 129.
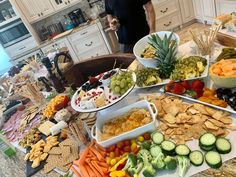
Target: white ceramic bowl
pixel 101 120
pixel 143 43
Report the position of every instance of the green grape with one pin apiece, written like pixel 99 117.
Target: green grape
pixel 129 85
pixel 113 84
pixel 118 77
pixel 122 91
pixel 122 84
pixel 117 89
pixel 118 82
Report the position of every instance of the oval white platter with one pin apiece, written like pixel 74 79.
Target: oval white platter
pixel 108 94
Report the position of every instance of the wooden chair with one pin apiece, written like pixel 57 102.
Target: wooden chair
pixel 80 72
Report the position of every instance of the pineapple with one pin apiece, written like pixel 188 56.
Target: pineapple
pixel 165 54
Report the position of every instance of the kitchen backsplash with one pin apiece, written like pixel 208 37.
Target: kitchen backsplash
pixel 89 13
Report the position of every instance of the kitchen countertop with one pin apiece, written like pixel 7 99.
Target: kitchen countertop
pixel 48 42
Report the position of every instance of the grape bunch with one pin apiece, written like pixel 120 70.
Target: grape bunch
pixel 121 82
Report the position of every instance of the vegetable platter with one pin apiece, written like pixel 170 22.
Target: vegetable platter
pixel 103 91
pixel 192 144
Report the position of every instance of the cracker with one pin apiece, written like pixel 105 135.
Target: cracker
pixel 67 142
pixel 48 167
pixel 66 151
pixel 51 157
pixel 55 150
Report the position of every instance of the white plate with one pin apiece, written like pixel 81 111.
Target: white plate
pixel 166 81
pixel 79 109
pixel 228 108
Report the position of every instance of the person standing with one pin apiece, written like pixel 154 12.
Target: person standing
pixel 129 19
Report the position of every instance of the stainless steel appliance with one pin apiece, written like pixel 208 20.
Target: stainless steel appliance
pixel 77 17
pixel 13 33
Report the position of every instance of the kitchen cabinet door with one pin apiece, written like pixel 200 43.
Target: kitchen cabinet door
pixel 187 12
pixel 30 9
pixel 225 6
pixel 45 7
pixel 197 4
pixel 209 10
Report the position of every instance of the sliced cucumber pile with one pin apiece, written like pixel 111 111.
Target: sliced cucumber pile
pixel 168 147
pixel 157 137
pixel 196 158
pixel 182 149
pixel 213 159
pixel 223 145
pixel 207 141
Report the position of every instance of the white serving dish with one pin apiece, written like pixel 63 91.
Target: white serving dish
pixel 143 43
pixel 119 97
pixel 101 120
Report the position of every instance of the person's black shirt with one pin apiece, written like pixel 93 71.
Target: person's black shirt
pixel 132 19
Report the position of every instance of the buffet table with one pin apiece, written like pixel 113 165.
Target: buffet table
pixel 228 168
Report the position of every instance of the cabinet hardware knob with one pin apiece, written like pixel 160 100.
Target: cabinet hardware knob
pixel 66 3
pixel 41 13
pixel 168 24
pixel 69 2
pixel 164 11
pixel 88 45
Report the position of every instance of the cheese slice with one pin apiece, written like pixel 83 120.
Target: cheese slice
pixel 45 127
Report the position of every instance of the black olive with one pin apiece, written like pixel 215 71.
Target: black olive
pixel 220 95
pixel 219 90
pixel 106 76
pixel 84 88
pixel 227 91
pixel 226 98
pixel 234 93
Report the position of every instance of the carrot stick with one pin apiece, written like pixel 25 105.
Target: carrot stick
pixel 75 171
pixel 83 170
pixel 97 167
pixel 99 156
pixel 93 168
pixel 103 164
pixel 83 155
pixel 90 171
pixel 100 147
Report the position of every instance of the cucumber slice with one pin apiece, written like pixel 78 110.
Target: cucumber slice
pixel 213 159
pixel 196 158
pixel 168 147
pixel 223 145
pixel 182 149
pixel 207 141
pixel 157 137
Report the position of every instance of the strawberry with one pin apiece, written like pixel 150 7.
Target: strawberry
pixel 186 85
pixel 93 80
pixel 178 89
pixel 198 84
pixel 169 86
pixel 199 92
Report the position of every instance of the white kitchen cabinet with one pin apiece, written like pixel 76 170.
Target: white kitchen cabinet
pixel 61 4
pixel 225 6
pixel 209 10
pixel 197 4
pixel 88 43
pixel 62 43
pixel 34 10
pixel 187 12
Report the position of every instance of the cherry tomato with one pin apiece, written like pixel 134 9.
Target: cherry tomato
pixel 133 141
pixel 147 136
pixel 127 149
pixel 121 166
pixel 136 150
pixel 113 162
pixel 120 144
pixel 117 152
pixel 112 154
pixel 122 152
pixel 133 146
pixel 108 160
pixel 127 142
pixel 140 138
pixel 111 148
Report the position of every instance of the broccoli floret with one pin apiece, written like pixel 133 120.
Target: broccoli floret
pixel 148 170
pixel 145 152
pixel 170 163
pixel 146 145
pixel 184 164
pixel 158 161
pixel 135 170
pixel 131 162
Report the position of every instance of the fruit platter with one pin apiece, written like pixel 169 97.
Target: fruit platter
pixel 168 65
pixel 103 91
pixel 196 91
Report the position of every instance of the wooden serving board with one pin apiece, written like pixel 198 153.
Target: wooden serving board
pixel 226 39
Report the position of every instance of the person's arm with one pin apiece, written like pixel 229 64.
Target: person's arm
pixel 151 16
